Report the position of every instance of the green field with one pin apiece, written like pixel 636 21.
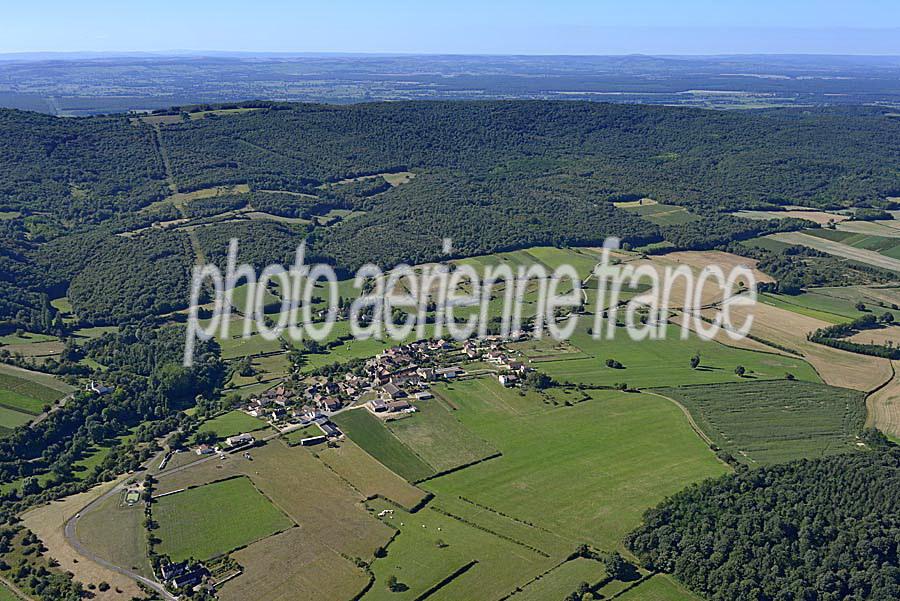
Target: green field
pixel 771 422
pixel 232 423
pixel 419 563
pixel 813 304
pixel 666 362
pixel 563 580
pixel 885 245
pixel 26 338
pixel 438 438
pixel 370 433
pixel 22 398
pixel 7 595
pixel 662 214
pixel 567 475
pixel 605 460
pixel 213 519
pixel 660 587
pixel 116 533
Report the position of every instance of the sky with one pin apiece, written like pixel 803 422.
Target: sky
pixel 459 27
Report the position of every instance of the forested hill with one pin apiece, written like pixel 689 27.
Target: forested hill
pixel 821 530
pixel 599 151
pixel 492 175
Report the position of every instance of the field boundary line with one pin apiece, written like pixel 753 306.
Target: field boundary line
pixel 689 417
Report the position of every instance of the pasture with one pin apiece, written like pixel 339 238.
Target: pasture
pixel 213 519
pixel 371 434
pixel 436 437
pixel 660 587
pixel 24 393
pixel 606 460
pixel 333 525
pixel 232 423
pixel 367 475
pixel 431 546
pixel 774 422
pixel 115 532
pixel 562 580
pixel 666 362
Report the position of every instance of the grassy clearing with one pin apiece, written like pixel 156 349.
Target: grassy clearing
pixel 232 423
pixel 606 460
pixel 436 437
pixel 563 580
pixel 772 422
pixel 213 519
pixel 370 433
pixel 666 362
pixel 26 338
pixel 662 214
pixel 11 419
pixel 660 587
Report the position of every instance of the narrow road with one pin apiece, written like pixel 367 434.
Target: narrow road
pixel 71 535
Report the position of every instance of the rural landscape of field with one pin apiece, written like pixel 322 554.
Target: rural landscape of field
pixel 169 222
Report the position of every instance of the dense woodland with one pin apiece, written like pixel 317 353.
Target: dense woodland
pixel 491 175
pixel 819 530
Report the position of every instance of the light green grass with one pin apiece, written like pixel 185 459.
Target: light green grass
pixel 213 519
pixel 438 438
pixel 26 338
pixel 231 424
pixel 660 587
pixel 370 433
pixel 10 418
pixel 25 394
pixel 563 580
pixel 666 362
pixel 772 422
pixel 585 472
pixel 415 559
pixel 7 595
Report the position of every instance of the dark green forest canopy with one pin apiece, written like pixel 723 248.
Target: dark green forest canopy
pixel 818 530
pixel 84 169
pixel 492 175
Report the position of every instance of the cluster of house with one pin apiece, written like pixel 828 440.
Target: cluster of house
pixel 182 574
pixel 400 375
pixel 491 350
pixel 392 381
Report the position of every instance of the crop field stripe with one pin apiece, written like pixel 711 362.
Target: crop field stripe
pixel 868 257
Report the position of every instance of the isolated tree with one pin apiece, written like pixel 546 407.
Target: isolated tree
pixel 740 371
pixel 695 361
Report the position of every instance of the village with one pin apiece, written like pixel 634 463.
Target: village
pixel 388 385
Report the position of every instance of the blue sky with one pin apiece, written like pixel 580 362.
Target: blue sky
pixel 463 26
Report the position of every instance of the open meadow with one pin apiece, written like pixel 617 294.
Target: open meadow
pixel 666 362
pixel 213 519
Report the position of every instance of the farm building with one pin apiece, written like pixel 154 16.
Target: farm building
pixel 240 439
